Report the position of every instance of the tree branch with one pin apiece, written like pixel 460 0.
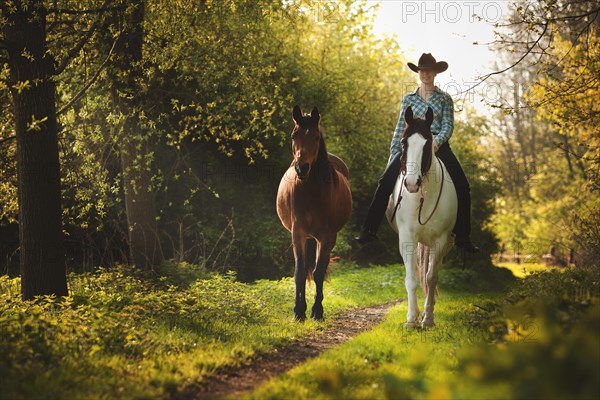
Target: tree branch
pixel 90 11
pixel 573 44
pixel 91 82
pixel 579 16
pixel 73 52
pixel 529 50
pixel 8 139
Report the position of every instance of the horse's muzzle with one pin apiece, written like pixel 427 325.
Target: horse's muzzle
pixel 414 187
pixel 302 170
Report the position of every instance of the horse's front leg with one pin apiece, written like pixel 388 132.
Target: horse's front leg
pixel 432 279
pixel 411 281
pixel 299 243
pixel 324 251
pixel 435 261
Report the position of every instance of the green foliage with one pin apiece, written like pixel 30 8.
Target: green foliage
pixel 547 146
pixel 565 219
pixel 546 362
pixel 547 332
pixel 481 278
pixel 122 336
pixel 214 95
pixel 468 144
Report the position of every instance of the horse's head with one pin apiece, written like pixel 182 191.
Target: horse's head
pixel 417 150
pixel 306 138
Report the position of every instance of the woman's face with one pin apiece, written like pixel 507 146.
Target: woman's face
pixel 427 76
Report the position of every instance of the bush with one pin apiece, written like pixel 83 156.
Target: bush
pixel 116 334
pixel 548 344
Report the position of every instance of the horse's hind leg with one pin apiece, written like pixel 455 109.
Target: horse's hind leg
pixel 324 251
pixel 411 281
pixel 299 243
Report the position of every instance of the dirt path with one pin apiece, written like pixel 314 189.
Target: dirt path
pixel 237 381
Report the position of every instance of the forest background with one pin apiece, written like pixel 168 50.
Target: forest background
pixel 172 123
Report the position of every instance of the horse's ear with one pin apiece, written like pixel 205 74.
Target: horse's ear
pixel 297 114
pixel 408 115
pixel 429 116
pixel 314 115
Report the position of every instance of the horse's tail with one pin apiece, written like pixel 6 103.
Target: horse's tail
pixel 423 266
pixel 311 258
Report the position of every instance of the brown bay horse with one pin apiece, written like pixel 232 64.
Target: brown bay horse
pixel 313 202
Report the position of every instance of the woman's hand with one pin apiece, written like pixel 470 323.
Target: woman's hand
pixel 436 146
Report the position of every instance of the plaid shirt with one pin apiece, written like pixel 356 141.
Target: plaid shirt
pixel 443 116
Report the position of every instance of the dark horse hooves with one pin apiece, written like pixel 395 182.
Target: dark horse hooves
pixel 299 318
pixel 317 314
pixel 317 317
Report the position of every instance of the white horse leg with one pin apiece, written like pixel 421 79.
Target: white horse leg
pixel 435 261
pixel 432 278
pixel 408 252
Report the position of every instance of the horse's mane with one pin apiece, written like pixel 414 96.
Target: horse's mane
pixel 323 169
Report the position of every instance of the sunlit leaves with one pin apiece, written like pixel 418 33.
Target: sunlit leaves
pixel 22 86
pixel 121 336
pixel 36 125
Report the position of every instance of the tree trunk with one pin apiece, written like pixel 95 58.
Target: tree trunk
pixel 33 90
pixel 144 241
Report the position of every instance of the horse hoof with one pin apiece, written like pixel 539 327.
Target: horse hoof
pixel 427 324
pixel 299 318
pixel 412 325
pixel 317 316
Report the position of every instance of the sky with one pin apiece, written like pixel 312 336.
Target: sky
pixel 447 29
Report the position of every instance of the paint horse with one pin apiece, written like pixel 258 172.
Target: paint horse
pixel 313 202
pixel 422 210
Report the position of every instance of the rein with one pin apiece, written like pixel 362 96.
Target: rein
pixel 437 202
pixel 399 198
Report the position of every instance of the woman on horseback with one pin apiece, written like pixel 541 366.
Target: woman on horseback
pixel 425 96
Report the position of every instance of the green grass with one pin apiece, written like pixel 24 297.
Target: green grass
pixel 392 361
pixel 119 336
pixel 539 340
pixel 388 362
pixel 524 269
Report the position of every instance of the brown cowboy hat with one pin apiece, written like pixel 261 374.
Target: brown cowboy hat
pixel 427 62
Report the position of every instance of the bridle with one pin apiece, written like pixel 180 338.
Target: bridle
pixel 422 199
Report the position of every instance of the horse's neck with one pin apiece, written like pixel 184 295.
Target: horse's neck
pixel 433 178
pixel 323 170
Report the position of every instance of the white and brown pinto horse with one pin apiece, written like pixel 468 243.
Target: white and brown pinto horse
pixel 313 202
pixel 422 209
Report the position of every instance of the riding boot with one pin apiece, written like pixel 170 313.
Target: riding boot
pixel 462 228
pixel 380 201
